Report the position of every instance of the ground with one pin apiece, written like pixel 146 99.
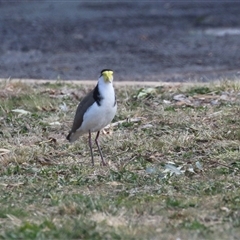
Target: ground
pixel 173 164
pixel 172 150
pixel 150 41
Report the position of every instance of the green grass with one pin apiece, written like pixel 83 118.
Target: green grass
pixel 173 165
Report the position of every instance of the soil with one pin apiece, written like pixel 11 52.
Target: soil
pixel 141 41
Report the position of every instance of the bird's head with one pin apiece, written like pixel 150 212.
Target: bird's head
pixel 107 75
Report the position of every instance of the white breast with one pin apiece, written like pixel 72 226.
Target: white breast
pixel 97 117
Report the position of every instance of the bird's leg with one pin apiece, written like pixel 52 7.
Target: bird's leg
pixel 99 149
pixel 90 145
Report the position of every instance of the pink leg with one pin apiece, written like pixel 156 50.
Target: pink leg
pixel 90 145
pixel 99 149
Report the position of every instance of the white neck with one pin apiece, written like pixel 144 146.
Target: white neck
pixel 106 90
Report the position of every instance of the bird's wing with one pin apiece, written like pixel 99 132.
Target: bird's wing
pixel 86 102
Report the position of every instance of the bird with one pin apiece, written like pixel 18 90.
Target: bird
pixel 95 111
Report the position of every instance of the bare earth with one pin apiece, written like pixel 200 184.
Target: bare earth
pixel 141 41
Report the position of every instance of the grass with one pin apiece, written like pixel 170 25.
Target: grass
pixel 173 164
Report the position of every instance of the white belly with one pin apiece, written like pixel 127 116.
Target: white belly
pixel 97 117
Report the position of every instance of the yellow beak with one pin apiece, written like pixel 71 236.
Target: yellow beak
pixel 108 76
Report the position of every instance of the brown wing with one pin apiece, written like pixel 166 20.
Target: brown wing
pixel 86 102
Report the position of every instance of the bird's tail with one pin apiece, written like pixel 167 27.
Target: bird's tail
pixel 69 136
pixel 73 136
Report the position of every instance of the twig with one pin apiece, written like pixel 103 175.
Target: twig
pixel 133 120
pixel 221 164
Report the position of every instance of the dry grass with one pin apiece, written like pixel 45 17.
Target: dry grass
pixel 173 164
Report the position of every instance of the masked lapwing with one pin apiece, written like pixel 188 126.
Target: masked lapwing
pixel 96 110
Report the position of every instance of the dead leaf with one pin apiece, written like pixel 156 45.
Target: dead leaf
pixel 4 151
pixel 114 183
pixel 179 97
pixel 45 161
pixel 21 111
